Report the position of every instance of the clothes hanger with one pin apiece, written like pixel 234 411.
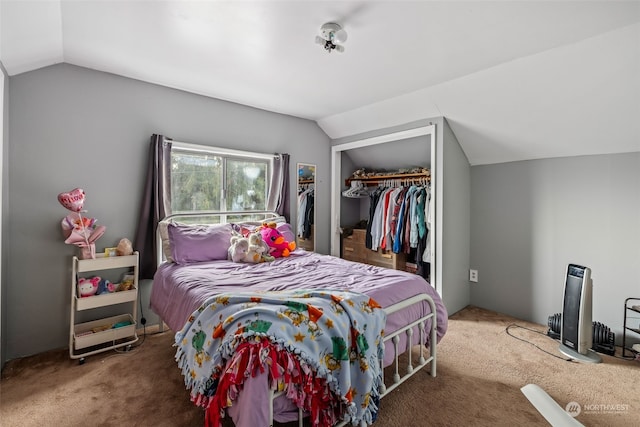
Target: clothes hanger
pixel 356 190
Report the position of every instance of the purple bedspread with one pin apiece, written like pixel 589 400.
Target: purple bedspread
pixel 178 290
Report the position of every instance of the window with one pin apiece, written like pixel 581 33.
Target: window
pixel 205 179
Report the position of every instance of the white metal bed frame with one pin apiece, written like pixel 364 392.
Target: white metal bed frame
pixel 394 337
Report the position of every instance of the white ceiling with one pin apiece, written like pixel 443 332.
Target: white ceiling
pixel 515 79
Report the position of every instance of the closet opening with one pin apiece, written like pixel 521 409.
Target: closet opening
pixel 403 150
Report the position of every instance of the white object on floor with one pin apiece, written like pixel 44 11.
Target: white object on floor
pixel 548 408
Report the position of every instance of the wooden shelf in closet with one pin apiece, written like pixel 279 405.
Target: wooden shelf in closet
pixel 354 249
pixel 379 179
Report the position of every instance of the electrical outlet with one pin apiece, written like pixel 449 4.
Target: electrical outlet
pixel 473 276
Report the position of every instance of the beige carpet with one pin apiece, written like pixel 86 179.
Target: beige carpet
pixel 480 371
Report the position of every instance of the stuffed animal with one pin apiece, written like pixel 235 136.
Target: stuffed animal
pixel 88 286
pixel 105 287
pixel 240 250
pixel 124 247
pixel 126 284
pixel 256 244
pixel 276 241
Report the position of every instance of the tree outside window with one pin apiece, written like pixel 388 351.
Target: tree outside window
pixel 202 181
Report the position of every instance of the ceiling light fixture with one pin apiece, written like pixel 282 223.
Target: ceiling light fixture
pixel 331 37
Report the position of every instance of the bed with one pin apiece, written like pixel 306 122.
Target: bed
pixel 187 281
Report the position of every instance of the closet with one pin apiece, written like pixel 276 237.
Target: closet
pixel 396 230
pixel 429 144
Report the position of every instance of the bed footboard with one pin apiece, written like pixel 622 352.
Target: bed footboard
pixel 394 338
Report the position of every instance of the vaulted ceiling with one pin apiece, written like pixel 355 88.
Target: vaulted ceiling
pixel 516 80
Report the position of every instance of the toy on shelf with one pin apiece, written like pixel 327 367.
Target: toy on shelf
pixel 105 287
pixel 88 287
pixel 124 247
pixel 126 284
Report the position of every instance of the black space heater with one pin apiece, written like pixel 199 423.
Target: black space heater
pixel 603 338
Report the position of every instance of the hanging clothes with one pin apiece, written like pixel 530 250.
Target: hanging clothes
pixel 378 217
pixel 398 220
pixel 428 213
pixel 374 196
pixel 308 216
pixel 399 217
pixel 305 212
pixel 387 231
pixel 404 226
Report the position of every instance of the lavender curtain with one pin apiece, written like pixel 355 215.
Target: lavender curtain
pixel 278 199
pixel 155 203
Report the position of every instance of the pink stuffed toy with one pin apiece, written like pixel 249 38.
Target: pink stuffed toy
pixel 88 286
pixel 276 241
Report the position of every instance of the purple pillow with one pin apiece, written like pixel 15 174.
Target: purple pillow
pixel 197 243
pixel 285 229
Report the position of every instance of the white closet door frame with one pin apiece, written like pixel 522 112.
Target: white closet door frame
pixel 336 189
pixel 3 79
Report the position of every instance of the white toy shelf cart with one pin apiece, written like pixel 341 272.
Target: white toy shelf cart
pixel 103 333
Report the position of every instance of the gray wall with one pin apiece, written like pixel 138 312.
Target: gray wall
pixel 456 222
pixel 531 218
pixel 74 127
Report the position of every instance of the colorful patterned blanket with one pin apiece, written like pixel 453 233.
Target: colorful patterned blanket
pixel 322 348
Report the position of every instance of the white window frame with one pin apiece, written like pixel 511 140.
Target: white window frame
pixel 226 154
